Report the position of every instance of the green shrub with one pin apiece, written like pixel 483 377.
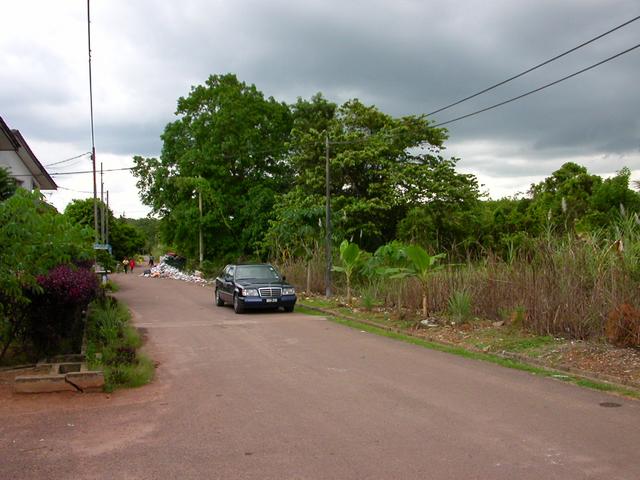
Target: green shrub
pixel 110 286
pixel 131 337
pixel 133 375
pixel 460 306
pixel 112 346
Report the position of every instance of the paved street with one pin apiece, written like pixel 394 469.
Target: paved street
pixel 288 396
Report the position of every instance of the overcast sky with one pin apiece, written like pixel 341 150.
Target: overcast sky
pixel 404 56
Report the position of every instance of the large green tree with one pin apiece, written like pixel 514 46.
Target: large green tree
pixel 226 150
pixel 150 228
pixel 574 198
pixel 381 168
pixel 125 239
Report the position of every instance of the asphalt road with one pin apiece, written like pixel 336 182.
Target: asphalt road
pixel 289 396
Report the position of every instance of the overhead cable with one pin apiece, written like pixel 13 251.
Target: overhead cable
pixel 537 89
pixel 535 67
pixel 67 159
pixel 567 77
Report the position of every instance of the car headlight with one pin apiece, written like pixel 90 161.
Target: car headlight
pixel 288 291
pixel 250 292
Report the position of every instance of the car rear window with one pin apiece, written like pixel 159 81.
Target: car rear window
pixel 256 272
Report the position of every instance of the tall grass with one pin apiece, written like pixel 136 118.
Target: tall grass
pixel 557 285
pixel 112 345
pixel 460 307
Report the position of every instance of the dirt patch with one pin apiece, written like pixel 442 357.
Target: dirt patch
pixel 593 357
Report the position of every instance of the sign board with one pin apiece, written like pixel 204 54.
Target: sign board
pixel 102 246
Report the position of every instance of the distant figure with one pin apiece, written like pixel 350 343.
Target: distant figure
pixel 125 264
pixel 150 261
pixel 132 264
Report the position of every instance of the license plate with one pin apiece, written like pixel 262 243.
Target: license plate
pixel 271 300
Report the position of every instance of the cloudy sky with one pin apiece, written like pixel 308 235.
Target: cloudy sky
pixel 404 56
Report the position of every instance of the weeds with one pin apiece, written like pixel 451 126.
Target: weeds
pixel 554 285
pixel 460 306
pixel 112 345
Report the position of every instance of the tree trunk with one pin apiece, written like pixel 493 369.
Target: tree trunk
pixel 424 305
pixel 308 290
pixel 348 290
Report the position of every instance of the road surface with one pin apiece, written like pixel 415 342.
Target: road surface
pixel 289 396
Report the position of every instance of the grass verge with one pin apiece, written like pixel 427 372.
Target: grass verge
pixel 112 346
pixel 463 352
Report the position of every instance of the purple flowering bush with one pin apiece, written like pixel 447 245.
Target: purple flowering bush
pixel 56 321
pixel 64 285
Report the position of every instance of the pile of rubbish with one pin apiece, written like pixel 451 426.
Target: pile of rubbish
pixel 163 270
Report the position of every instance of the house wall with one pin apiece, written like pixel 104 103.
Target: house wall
pixel 10 159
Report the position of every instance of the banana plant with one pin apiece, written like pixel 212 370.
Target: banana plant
pixel 350 257
pixel 390 261
pixel 422 265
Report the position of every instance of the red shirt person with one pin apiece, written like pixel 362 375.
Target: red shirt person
pixel 132 263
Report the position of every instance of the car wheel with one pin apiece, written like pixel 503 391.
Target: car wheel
pixel 288 308
pixel 237 306
pixel 219 301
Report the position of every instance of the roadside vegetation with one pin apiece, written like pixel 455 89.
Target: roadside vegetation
pixel 413 238
pixel 416 243
pixel 579 287
pixel 113 346
pixel 47 286
pixel 126 237
pixel 46 281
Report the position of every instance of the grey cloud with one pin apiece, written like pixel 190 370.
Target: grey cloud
pixel 406 57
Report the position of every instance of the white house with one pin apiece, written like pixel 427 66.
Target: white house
pixel 17 157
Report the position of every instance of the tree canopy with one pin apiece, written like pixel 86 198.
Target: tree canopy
pixel 125 239
pixel 227 149
pixel 257 167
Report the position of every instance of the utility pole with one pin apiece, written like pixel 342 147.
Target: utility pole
pixel 201 241
pixel 102 229
pixel 327 275
pixel 107 220
pixel 93 143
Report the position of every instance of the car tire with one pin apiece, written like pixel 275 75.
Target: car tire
pixel 288 308
pixel 237 306
pixel 219 301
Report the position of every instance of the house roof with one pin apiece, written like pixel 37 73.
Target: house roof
pixel 7 140
pixel 14 141
pixel 42 177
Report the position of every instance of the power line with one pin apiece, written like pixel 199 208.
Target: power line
pixel 537 89
pixel 74 173
pixel 535 67
pixel 72 190
pixel 362 140
pixel 67 159
pixel 91 171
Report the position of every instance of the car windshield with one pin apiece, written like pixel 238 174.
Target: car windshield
pixel 257 272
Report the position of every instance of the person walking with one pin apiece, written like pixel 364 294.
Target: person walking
pixel 150 261
pixel 125 264
pixel 132 264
